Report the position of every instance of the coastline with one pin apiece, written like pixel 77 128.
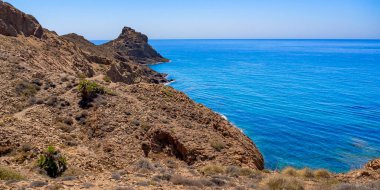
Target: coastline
pixel 79 116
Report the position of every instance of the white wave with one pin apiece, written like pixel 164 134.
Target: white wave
pixel 226 118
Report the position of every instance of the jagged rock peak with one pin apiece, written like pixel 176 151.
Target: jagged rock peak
pixel 128 32
pixel 133 45
pixel 14 22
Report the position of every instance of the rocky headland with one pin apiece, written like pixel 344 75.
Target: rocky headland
pixel 109 122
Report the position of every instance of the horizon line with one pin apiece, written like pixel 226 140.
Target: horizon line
pixel 251 39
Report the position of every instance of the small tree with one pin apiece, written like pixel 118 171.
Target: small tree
pixel 88 91
pixel 52 162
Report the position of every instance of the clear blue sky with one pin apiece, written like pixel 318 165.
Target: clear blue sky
pixel 96 19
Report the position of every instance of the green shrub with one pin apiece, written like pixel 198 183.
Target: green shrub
pixel 89 89
pixel 52 162
pixel 8 174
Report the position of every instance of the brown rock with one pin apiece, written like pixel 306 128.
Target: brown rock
pixel 14 22
pixel 132 45
pixel 373 165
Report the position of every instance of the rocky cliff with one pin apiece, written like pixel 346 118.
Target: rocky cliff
pixel 131 132
pixel 132 45
pixel 14 22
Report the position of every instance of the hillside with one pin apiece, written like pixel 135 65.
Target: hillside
pixel 113 120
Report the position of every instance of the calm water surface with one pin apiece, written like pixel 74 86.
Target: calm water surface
pixel 305 103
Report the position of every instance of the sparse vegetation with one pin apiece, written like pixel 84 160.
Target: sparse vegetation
pixel 8 174
pixel 107 79
pixel 52 162
pixel 167 91
pixel 89 89
pixel 233 171
pixel 306 173
pixel 218 145
pixel 247 171
pixel 145 127
pixel 289 171
pixel 185 181
pixel 322 173
pixel 144 165
pixel 26 89
pixel 279 182
pixel 236 171
pixel 369 186
pixel 212 170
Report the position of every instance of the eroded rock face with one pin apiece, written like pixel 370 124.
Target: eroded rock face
pixel 118 70
pixel 132 45
pixel 14 22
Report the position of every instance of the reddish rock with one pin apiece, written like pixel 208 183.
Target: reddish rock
pixel 14 22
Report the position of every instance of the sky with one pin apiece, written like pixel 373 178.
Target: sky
pixel 210 19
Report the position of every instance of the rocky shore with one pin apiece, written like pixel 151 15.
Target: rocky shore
pixel 111 123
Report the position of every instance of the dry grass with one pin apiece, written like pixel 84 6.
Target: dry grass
pixel 289 171
pixel 8 174
pixel 218 145
pixel 369 186
pixel 322 173
pixel 247 172
pixel 144 165
pixel 280 182
pixel 306 173
pixel 185 181
pixel 212 170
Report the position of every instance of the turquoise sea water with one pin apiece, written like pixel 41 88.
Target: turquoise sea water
pixel 305 103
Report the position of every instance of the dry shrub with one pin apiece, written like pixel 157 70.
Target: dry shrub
pixel 279 182
pixel 218 145
pixel 8 174
pixel 233 171
pixel 306 173
pixel 144 165
pixel 369 186
pixel 289 171
pixel 212 170
pixel 322 173
pixel 185 181
pixel 247 171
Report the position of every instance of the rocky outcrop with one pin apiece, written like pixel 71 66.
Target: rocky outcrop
pixel 132 45
pixel 373 165
pixel 130 74
pixel 126 71
pixel 14 22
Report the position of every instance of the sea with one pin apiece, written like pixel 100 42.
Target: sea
pixel 304 103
